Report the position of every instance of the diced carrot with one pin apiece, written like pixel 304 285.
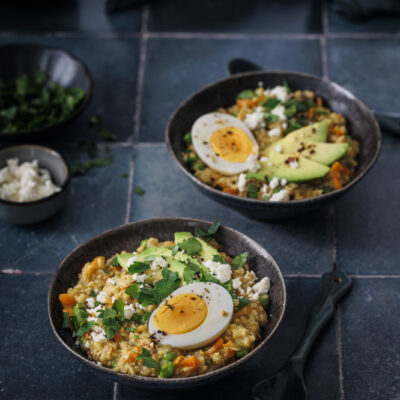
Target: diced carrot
pixel 336 170
pixel 67 299
pixel 97 263
pixel 109 302
pixel 229 353
pixel 319 102
pixel 191 362
pixel 86 335
pixel 69 310
pixel 230 190
pixel 132 356
pixel 339 131
pixel 310 114
pixel 117 337
pixel 178 360
pixel 118 268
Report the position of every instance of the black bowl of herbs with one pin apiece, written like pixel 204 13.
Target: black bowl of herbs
pixel 41 90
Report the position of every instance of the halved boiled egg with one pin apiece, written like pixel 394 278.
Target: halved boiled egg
pixel 192 316
pixel 224 143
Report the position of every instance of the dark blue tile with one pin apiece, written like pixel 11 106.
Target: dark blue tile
pixel 34 364
pixel 236 16
pixel 368 68
pixel 371 341
pixel 175 68
pixel 55 16
pixel 321 370
pixel 97 202
pixel 368 219
pixel 377 23
pixel 114 65
pixel 300 245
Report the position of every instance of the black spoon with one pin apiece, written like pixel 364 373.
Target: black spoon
pixel 389 121
pixel 288 382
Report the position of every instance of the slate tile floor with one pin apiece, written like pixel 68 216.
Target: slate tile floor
pixel 144 63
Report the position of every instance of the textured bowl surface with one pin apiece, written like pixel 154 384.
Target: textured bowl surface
pixel 128 237
pixel 59 65
pixel 35 211
pixel 360 121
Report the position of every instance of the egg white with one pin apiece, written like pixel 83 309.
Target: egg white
pixel 202 130
pixel 218 300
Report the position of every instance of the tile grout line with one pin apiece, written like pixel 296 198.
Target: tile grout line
pixel 339 348
pixel 323 41
pixel 138 105
pixel 224 35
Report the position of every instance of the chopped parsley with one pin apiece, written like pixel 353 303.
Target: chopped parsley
pixel 108 136
pixel 138 267
pixel 191 246
pixel 240 260
pixel 147 360
pixel 270 103
pixel 219 258
pixel 114 262
pixel 210 232
pixel 252 191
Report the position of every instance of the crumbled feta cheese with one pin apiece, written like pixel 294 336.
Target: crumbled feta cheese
pixel 25 182
pixel 279 92
pixel 255 119
pixel 110 281
pixel 279 111
pixel 90 302
pixel 264 159
pixel 94 319
pixel 284 125
pixel 242 182
pixel 263 286
pixel 131 261
pixel 283 182
pixel 139 278
pixel 158 262
pixel 77 343
pixel 96 328
pixel 253 164
pixel 236 283
pixel 278 148
pixel 260 84
pixel 294 164
pixel 264 188
pixel 129 310
pixel 98 337
pixel 282 195
pixel 274 183
pixel 102 297
pixel 221 271
pixel 275 132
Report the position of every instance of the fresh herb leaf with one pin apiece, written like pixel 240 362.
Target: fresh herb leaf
pixel 327 190
pixel 270 103
pixel 270 118
pixel 80 314
pixel 245 94
pixel 145 317
pixel 167 285
pixel 65 320
pixel 118 306
pixel 106 271
pixel 264 300
pixel 139 190
pixel 322 112
pixel 188 275
pixel 108 136
pixel 149 259
pixel 188 138
pixel 131 329
pixel 85 328
pixel 79 168
pixel 243 302
pixel 219 258
pixel 124 175
pixel 206 276
pixel 90 148
pixel 194 267
pixel 114 262
pixel 93 294
pixel 291 111
pixel 147 360
pixel 210 231
pixel 240 260
pixel 252 191
pixel 110 322
pixel 286 85
pixel 191 246
pixel 228 286
pixel 136 336
pixel 95 120
pixel 138 267
pixel 175 249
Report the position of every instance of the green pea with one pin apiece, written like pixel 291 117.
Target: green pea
pixel 264 300
pixel 188 138
pixel 169 356
pixel 192 157
pixel 167 370
pixel 241 353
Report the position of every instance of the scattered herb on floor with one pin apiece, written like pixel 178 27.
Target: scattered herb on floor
pixel 139 190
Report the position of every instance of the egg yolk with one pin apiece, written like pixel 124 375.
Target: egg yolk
pixel 231 144
pixel 181 314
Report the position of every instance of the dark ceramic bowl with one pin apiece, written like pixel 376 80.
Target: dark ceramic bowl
pixel 61 66
pixel 360 121
pixel 128 237
pixel 31 212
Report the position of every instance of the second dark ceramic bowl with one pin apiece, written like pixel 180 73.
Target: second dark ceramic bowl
pixel 31 212
pixel 61 66
pixel 128 237
pixel 360 122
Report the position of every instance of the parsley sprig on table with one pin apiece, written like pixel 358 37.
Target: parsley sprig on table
pixel 35 101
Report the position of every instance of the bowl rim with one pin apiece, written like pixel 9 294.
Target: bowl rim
pixel 171 382
pixel 63 186
pixel 278 204
pixel 82 105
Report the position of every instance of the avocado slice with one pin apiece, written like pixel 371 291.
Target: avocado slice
pixel 176 266
pixel 278 166
pixel 207 252
pixel 324 153
pixel 123 259
pixel 290 144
